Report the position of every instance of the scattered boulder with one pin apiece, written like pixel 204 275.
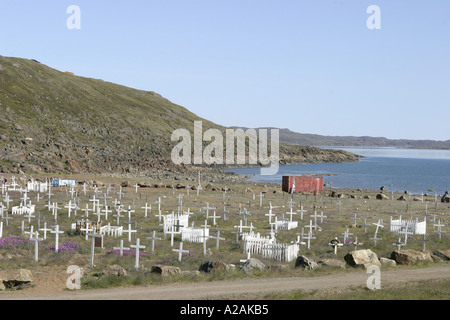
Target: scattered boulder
pixel 362 258
pixel 252 264
pixel 382 196
pixel 192 274
pixel 409 256
pixel 165 271
pixel 305 263
pixel 114 270
pixel 402 198
pixel 210 266
pixel 124 184
pixel 387 262
pixel 443 255
pixel 13 278
pixel 278 268
pixel 144 184
pixel 334 263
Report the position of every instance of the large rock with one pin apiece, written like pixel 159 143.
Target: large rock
pixel 442 254
pixel 382 196
pixel 14 278
pixel 334 263
pixel 114 270
pixel 362 258
pixel 252 264
pixel 165 271
pixel 409 256
pixel 388 262
pixel 305 263
pixel 446 197
pixel 210 266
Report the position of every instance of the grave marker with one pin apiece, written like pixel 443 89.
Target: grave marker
pixel 36 240
pixel 121 248
pixel 180 251
pixel 153 238
pixel 56 232
pixel 137 246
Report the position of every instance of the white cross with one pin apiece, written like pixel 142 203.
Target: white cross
pixel 121 248
pixel 56 232
pixel 301 212
pixel 335 244
pixel 218 238
pixel 215 217
pixel 36 240
pixel 118 215
pixel 120 193
pixel 261 195
pixel 45 230
pixel 245 214
pixel 137 246
pixel 153 238
pixel 146 207
pixel 106 211
pixel 378 225
pixel 129 213
pixel 129 231
pixel 87 229
pixel 439 231
pixel 346 235
pixel 290 213
pixel 180 251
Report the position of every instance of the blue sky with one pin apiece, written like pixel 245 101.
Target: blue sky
pixel 310 66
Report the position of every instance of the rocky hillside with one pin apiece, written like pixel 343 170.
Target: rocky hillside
pixel 57 122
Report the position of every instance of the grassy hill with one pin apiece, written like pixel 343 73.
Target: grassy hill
pixel 56 122
pixel 294 138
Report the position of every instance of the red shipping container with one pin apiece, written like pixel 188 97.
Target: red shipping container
pixel 302 184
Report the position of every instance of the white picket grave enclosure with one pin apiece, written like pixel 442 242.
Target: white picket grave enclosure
pixel 195 235
pixel 112 231
pixel 253 243
pixel 286 225
pixel 174 220
pixel 21 210
pixel 280 251
pixel 412 226
pixel 36 186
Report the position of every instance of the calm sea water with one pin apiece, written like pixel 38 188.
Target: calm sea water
pixel 398 169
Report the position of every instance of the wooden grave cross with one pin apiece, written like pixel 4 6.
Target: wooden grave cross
pixel 335 244
pixel 180 251
pixel 217 237
pixel 153 238
pixel 137 246
pixel 439 230
pixel 56 232
pixel 129 231
pixel 36 240
pixel 86 230
pixel 146 208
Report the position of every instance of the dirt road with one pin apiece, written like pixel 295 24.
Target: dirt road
pixel 222 289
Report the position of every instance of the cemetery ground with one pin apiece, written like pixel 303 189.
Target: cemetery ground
pixel 235 209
